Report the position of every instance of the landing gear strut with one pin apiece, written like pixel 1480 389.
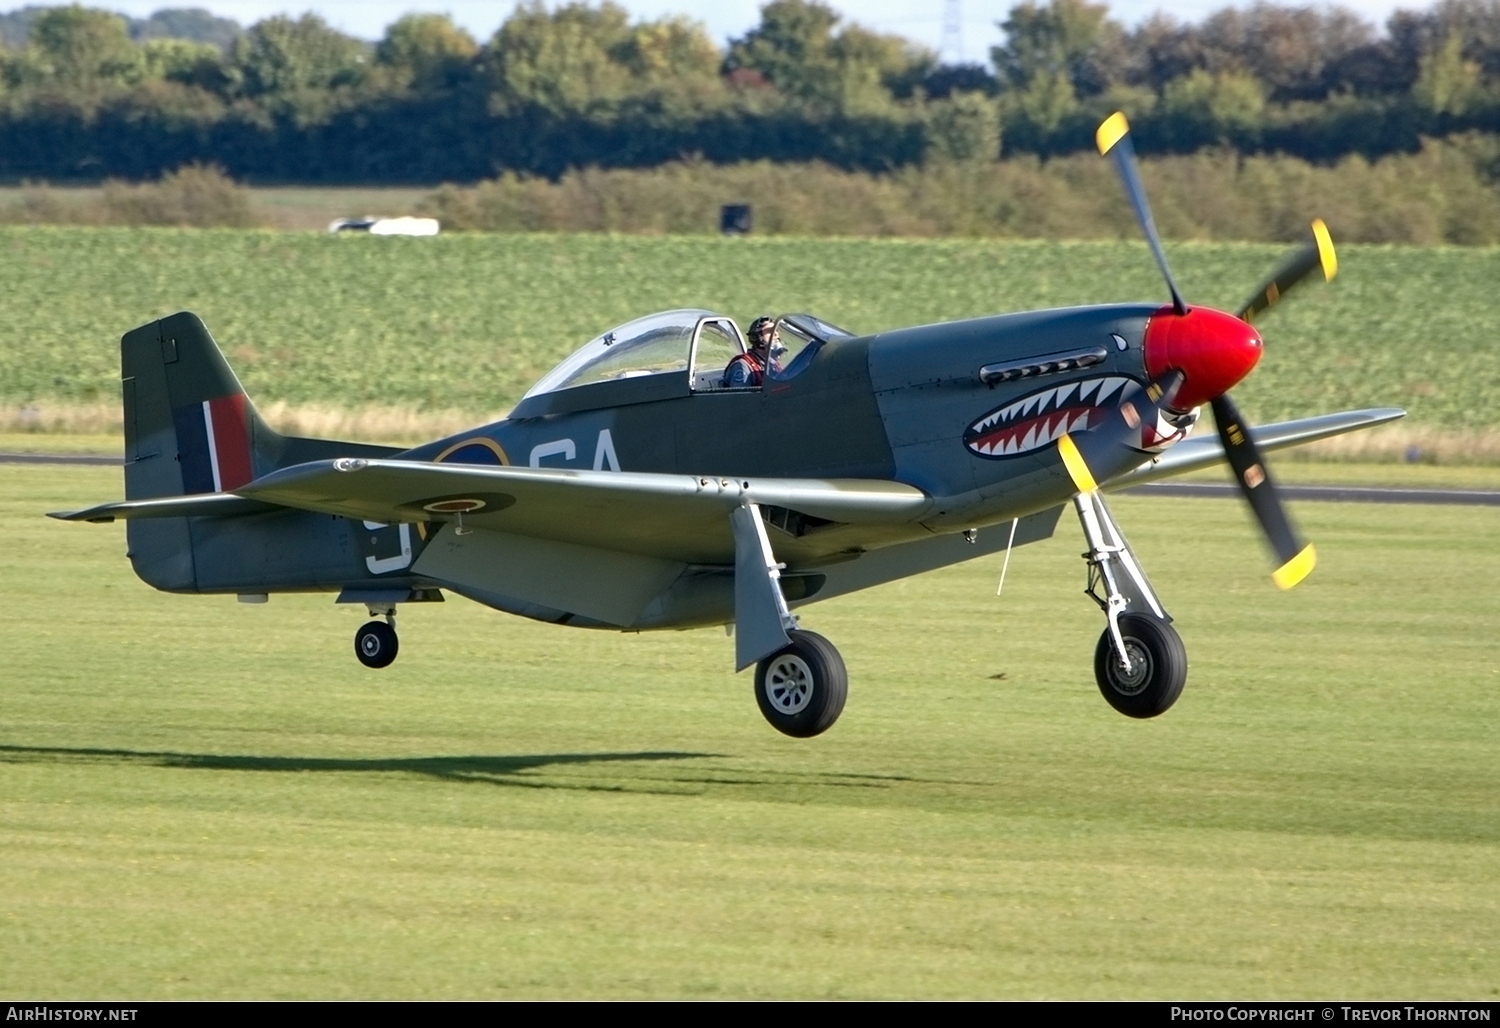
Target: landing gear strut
pixel 1140 662
pixel 800 680
pixel 375 644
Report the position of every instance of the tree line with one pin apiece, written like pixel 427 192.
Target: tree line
pixel 87 94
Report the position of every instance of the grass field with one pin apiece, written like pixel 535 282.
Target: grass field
pixel 466 323
pixel 200 799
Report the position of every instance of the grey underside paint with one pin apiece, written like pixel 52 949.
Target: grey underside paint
pixel 602 585
pixel 551 582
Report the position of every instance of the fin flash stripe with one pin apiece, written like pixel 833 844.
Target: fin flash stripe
pixel 1078 470
pixel 1296 569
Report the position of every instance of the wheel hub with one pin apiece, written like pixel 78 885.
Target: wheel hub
pixel 789 684
pixel 1134 681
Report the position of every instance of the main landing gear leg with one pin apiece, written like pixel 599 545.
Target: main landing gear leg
pixel 800 680
pixel 375 644
pixel 1140 662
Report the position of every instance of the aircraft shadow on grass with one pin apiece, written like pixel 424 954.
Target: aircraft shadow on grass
pixel 495 770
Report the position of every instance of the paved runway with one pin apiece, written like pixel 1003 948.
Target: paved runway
pixel 1331 493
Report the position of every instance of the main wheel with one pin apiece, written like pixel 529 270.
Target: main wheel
pixel 1158 666
pixel 801 689
pixel 375 644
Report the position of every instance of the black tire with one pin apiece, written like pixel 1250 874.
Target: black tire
pixel 801 688
pixel 1158 667
pixel 375 644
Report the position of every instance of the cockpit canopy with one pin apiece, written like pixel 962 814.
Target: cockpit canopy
pixel 653 345
pixel 680 341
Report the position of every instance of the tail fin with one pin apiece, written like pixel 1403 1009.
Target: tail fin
pixel 190 428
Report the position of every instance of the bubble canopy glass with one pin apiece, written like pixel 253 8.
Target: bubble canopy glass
pixel 654 345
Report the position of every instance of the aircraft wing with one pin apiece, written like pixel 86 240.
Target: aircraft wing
pixel 1205 451
pixel 676 517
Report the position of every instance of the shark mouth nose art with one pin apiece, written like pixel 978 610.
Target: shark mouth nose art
pixel 1038 419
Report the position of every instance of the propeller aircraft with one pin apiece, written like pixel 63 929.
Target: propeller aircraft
pixel 619 494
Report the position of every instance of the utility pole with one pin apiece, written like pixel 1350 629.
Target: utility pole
pixel 952 51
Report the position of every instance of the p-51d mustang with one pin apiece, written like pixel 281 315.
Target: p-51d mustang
pixel 621 492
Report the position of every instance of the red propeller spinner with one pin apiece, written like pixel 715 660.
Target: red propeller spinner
pixel 1212 349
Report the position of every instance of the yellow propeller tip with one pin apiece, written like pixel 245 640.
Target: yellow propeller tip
pixel 1326 257
pixel 1296 569
pixel 1078 469
pixel 1111 131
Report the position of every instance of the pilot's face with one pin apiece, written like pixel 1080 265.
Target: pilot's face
pixel 764 336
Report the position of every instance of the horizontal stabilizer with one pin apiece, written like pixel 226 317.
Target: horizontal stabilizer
pixel 1205 451
pixel 201 505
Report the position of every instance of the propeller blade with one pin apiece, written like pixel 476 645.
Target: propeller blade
pixel 1113 140
pixel 1294 558
pixel 1316 253
pixel 1077 467
pixel 1119 432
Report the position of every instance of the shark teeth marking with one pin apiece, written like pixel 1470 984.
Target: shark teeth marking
pixel 1037 420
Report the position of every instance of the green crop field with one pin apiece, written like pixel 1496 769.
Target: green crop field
pixel 202 799
pixel 468 321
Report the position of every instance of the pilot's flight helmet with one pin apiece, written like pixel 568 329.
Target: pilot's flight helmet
pixel 757 326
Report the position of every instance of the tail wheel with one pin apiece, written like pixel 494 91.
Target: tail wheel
pixel 801 689
pixel 375 644
pixel 1158 667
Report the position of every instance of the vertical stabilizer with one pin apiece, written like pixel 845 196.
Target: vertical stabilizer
pixel 189 427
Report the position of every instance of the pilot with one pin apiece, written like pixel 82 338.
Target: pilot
pixel 749 369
